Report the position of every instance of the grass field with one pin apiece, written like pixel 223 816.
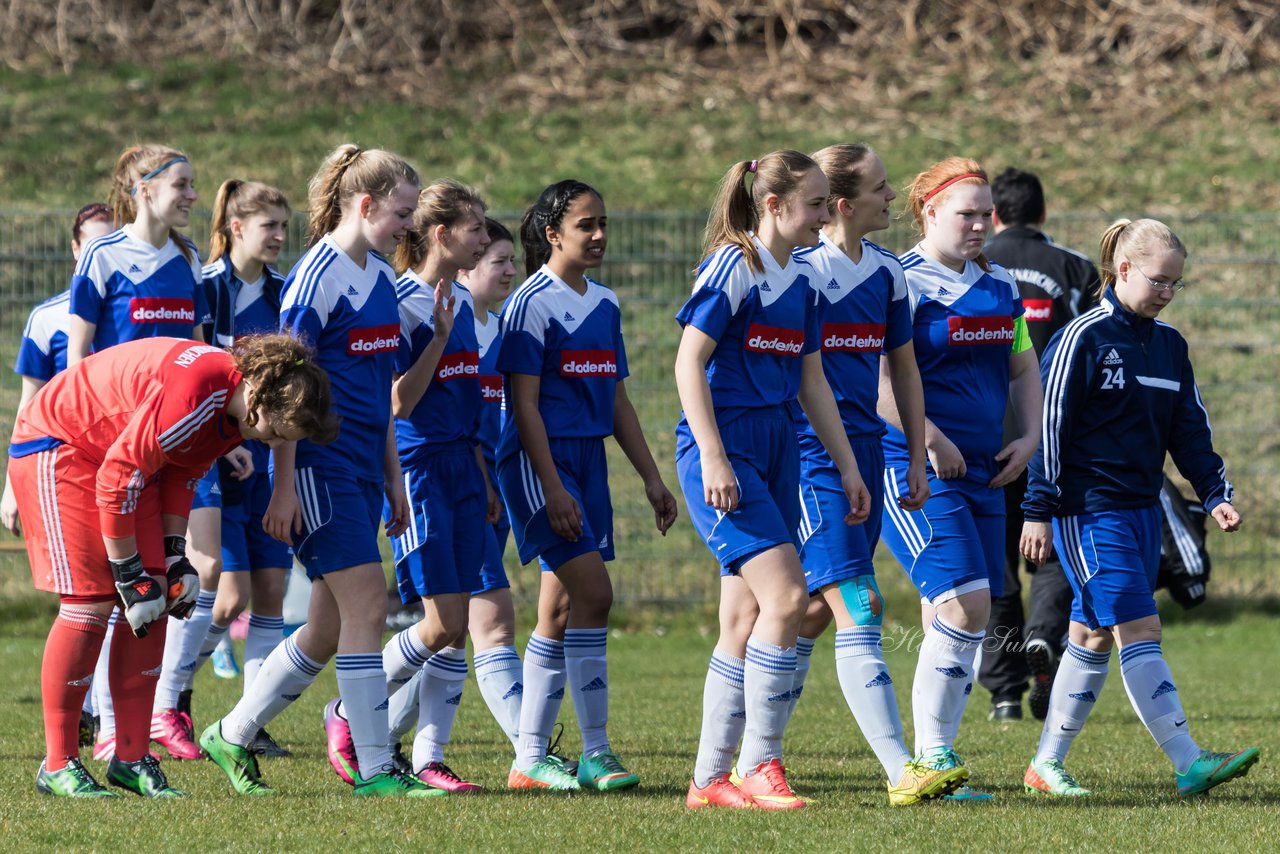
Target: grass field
pixel 1220 659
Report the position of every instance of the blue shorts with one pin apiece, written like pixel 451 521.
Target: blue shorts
pixel 1111 560
pixel 765 455
pixel 341 515
pixel 493 575
pixel 245 546
pixel 442 549
pixel 585 474
pixel 208 491
pixel 955 543
pixel 830 550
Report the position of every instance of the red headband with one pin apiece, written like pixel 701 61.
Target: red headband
pixel 938 189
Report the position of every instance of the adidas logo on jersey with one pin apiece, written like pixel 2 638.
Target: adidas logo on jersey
pixel 833 285
pixel 352 292
pixel 455 700
pixel 882 680
pixel 1165 687
pixel 764 286
pixel 604 542
pixel 1113 358
pixel 596 684
pixel 134 268
pixel 1085 697
pixel 568 318
pixel 943 292
pixel 516 690
pixel 953 672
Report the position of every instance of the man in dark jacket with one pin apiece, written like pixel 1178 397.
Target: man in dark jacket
pixel 1056 284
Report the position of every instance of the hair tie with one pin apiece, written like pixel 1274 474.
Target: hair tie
pixel 938 189
pixel 300 362
pixel 752 167
pixel 156 171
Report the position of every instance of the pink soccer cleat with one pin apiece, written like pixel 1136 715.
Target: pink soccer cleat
pixel 171 729
pixel 341 749
pixel 437 775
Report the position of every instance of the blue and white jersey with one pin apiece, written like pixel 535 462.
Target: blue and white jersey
pixel 131 290
pixel 237 307
pixel 964 334
pixel 864 312
pixel 763 323
pixel 349 315
pixel 1119 393
pixel 489 424
pixel 43 351
pixel 574 343
pixel 450 406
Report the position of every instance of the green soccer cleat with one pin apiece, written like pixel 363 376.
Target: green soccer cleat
pixel 923 783
pixel 240 764
pixel 548 773
pixel 143 777
pixel 1210 769
pixel 604 773
pixel 1048 777
pixel 73 780
pixel 393 783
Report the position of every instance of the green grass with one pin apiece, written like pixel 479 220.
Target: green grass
pixel 657 669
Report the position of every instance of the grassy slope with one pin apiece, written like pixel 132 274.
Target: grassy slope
pixel 657 675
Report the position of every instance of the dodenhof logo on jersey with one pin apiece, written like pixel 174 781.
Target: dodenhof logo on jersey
pixel 965 331
pixel 162 310
pixel 1038 310
pixel 853 337
pixel 372 340
pixel 491 389
pixel 464 363
pixel 775 340
pixel 588 363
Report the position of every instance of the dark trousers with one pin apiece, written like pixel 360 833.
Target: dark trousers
pixel 1003 671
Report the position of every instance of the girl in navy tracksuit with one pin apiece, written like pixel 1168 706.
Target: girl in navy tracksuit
pixel 1119 393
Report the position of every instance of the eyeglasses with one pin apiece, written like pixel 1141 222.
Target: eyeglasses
pixel 1160 287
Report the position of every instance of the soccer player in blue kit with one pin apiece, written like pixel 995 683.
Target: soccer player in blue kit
pixel 328 499
pixel 1120 394
pixel 975 356
pixel 862 294
pixel 749 359
pixel 564 365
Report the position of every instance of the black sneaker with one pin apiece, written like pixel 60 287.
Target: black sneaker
pixel 1042 663
pixel 264 745
pixel 400 761
pixel 143 777
pixel 1005 710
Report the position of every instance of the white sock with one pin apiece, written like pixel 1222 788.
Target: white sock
pixel 403 656
pixel 285 674
pixel 215 638
pixel 1076 689
pixel 263 636
pixel 439 695
pixel 402 714
pixel 868 689
pixel 362 683
pixel 182 650
pixel 804 656
pixel 501 678
pixel 587 672
pixel 766 686
pixel 101 687
pixel 1155 698
pixel 724 715
pixel 544 677
pixel 944 678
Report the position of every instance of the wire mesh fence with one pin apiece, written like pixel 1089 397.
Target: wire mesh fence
pixel 1230 314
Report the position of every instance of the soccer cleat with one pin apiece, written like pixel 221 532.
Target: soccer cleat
pixel 1210 769
pixel 441 776
pixel 1005 710
pixel 604 772
pixel 224 661
pixel 546 773
pixel 944 758
pixel 172 730
pixel 966 795
pixel 264 745
pixel 399 760
pixel 570 766
pixel 767 787
pixel 340 747
pixel 390 783
pixel 143 777
pixel 720 792
pixel 1040 662
pixel 88 727
pixel 923 783
pixel 238 763
pixel 72 781
pixel 1048 777
pixel 105 748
